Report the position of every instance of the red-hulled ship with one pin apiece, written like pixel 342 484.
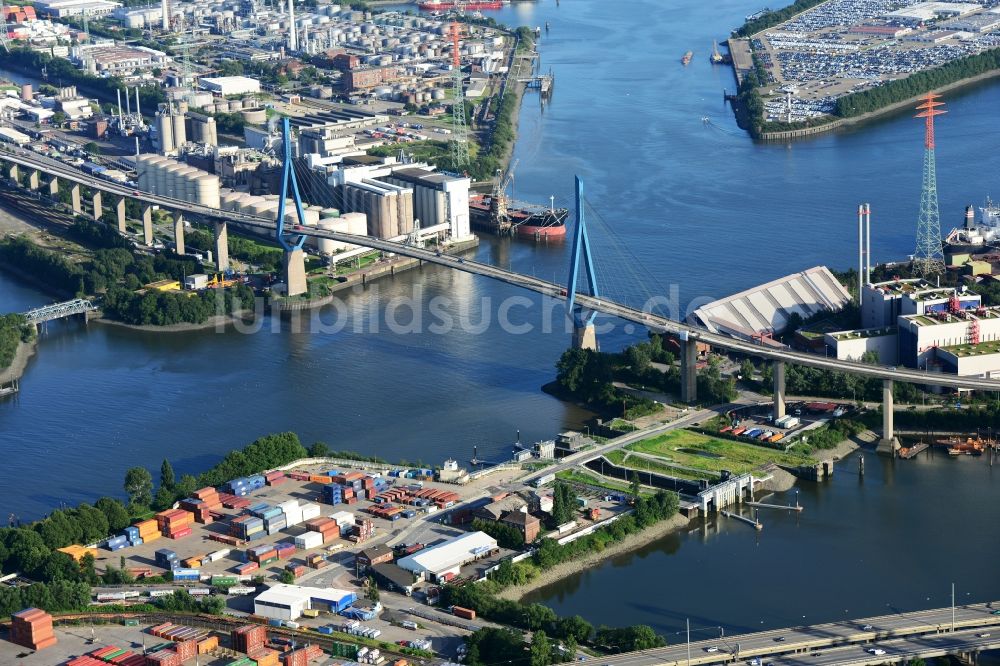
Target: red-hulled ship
pixel 508 218
pixel 472 5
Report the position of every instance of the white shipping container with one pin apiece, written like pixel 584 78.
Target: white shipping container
pixel 218 555
pixel 310 511
pixel 343 518
pixel 309 540
pixel 292 516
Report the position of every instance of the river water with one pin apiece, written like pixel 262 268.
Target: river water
pixel 680 202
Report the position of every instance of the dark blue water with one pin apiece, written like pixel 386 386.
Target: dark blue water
pixel 678 206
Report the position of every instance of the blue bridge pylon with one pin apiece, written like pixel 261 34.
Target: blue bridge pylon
pixel 289 241
pixel 584 335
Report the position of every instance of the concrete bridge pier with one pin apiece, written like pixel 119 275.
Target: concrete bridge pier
pixel 33 180
pixel 120 212
pixel 888 445
pixel 178 232
pixel 13 173
pixel 97 201
pixel 147 224
pixel 689 369
pixel 222 250
pixel 585 337
pixel 295 272
pixel 778 372
pixel 74 197
pixel 54 187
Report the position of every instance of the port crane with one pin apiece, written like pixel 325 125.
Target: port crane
pixel 504 180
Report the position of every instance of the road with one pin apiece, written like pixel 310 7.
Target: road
pixel 655 323
pixel 838 642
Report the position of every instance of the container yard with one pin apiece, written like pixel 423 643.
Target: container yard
pixel 261 525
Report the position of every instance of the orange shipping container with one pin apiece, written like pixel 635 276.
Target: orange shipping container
pixel 265 657
pixel 207 645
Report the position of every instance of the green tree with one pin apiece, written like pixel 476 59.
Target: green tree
pixel 541 650
pixel 167 479
pixel 319 450
pixel 139 486
pixel 569 649
pixel 635 485
pixel 747 369
pixel 371 590
pixel 286 577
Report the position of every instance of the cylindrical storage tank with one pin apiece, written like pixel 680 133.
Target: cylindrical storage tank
pixel 173 181
pixel 207 191
pixel 26 93
pixel 326 246
pixel 227 200
pixel 180 133
pixel 211 136
pixel 165 132
pixel 256 116
pixel 329 212
pixel 244 203
pixel 235 105
pixel 438 94
pixel 182 106
pixel 311 216
pixel 357 223
pixel 265 209
pixel 187 188
pixel 142 172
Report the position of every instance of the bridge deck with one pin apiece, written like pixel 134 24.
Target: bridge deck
pixel 929 630
pixel 654 322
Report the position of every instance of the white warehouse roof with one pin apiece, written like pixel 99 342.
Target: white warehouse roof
pixel 298 597
pixel 450 554
pixel 767 308
pixel 230 85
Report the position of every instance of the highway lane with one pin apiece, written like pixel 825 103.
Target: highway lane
pixel 807 639
pixel 896 650
pixel 652 321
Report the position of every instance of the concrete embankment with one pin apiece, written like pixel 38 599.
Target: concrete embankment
pixel 566 569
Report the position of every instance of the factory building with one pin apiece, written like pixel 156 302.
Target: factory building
pixel 445 560
pixel 369 77
pixel 64 8
pixel 286 602
pixel 230 85
pixel 117 60
pixel 855 345
pixel 437 198
pixel 767 309
pixel 882 303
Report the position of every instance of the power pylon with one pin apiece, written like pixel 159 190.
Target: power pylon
pixel 929 258
pixel 459 141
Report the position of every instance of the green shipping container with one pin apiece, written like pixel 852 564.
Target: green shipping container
pixel 132 623
pixel 270 560
pixel 344 650
pixel 225 580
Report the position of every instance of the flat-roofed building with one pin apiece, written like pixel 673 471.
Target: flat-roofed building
pixel 445 560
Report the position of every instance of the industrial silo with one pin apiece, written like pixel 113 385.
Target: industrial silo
pixel 328 246
pixel 357 223
pixel 172 181
pixel 180 133
pixel 165 133
pixel 207 190
pixel 227 200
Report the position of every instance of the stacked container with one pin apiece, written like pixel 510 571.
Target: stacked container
pixel 198 508
pixel 275 478
pixel 167 559
pixel 285 550
pixel 310 510
pixel 244 486
pixel 265 656
pixel 32 628
pixel 175 523
pixel 187 574
pixel 262 555
pixel 345 519
pixel 148 530
pixel 309 540
pixel 364 529
pixel 246 568
pixel 328 528
pixel 247 528
pixel 333 494
pixel 249 638
pixel 292 511
pixel 117 543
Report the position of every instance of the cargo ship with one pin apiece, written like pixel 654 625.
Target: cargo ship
pixel 687 58
pixel 514 218
pixel 472 5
